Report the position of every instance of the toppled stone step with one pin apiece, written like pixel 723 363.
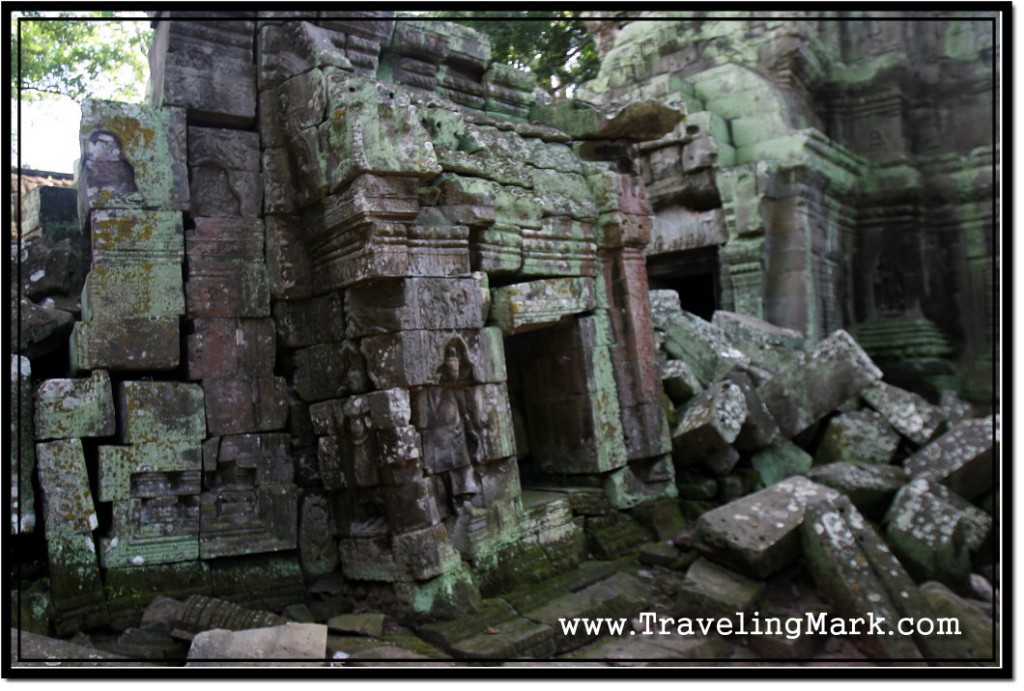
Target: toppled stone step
pixel 862 436
pixel 871 488
pixel 962 458
pixel 621 595
pixel 708 423
pixel 845 578
pixel 713 590
pixel 290 641
pixel 758 534
pixel 934 532
pixel 835 371
pixel 908 413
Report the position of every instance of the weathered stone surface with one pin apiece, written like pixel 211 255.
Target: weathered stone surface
pixel 525 306
pixel 861 436
pixel 34 650
pixel 713 590
pixel 227 289
pixel 781 460
pixel 413 303
pixel 76 590
pixel 835 371
pixel 230 347
pixel 214 80
pixel 123 470
pixel 317 320
pixel 329 370
pixel 614 535
pixel 291 641
pixel 962 458
pixel 934 532
pixel 51 213
pixel 744 329
pixel 68 505
pixel 416 358
pixel 136 235
pixel 37 329
pixel 845 578
pixel 870 487
pixel 639 121
pixel 425 553
pixel 317 536
pixel 235 406
pixel 679 381
pixel 151 411
pixel 224 172
pixel 908 413
pixel 67 408
pixel 759 429
pixel 117 291
pixel 708 423
pixel 126 343
pixel 757 535
pixel 133 156
pixel 56 271
pixel 702 346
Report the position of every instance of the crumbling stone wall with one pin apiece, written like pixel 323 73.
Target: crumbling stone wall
pixel 347 273
pixel 841 166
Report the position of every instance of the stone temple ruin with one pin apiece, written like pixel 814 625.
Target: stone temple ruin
pixel 350 316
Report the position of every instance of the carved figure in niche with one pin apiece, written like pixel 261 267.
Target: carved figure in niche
pixel 888 288
pixel 356 380
pixel 105 164
pixel 451 440
pixel 358 452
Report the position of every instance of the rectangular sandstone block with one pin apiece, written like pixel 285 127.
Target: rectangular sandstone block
pixel 318 320
pixel 226 288
pixel 68 408
pixel 287 259
pixel 230 348
pixel 425 553
pixel 125 344
pixel 236 406
pixel 151 411
pixel 118 464
pixel 133 156
pixel 536 304
pixel 267 455
pixel 238 521
pixel 413 303
pixel 134 235
pixel 215 83
pixel 368 559
pixel 962 458
pixel 378 139
pixel 329 370
pixel 114 291
pixel 225 238
pixel 760 534
pixel 416 358
pixel 411 505
pixel 64 481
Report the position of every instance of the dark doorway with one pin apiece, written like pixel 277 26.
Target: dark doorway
pixel 693 274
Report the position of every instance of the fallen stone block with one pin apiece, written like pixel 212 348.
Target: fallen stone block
pixel 781 460
pixel 703 346
pixel 708 423
pixel 713 590
pixel 861 436
pixel 758 534
pixel 962 458
pixel 37 330
pixel 745 329
pixel 835 371
pixel 679 381
pixel 846 579
pixel 759 428
pixel 291 641
pixel 363 624
pixel 934 532
pixel 908 413
pixel 871 488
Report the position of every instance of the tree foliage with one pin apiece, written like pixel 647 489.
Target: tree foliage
pixel 555 46
pixel 80 55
